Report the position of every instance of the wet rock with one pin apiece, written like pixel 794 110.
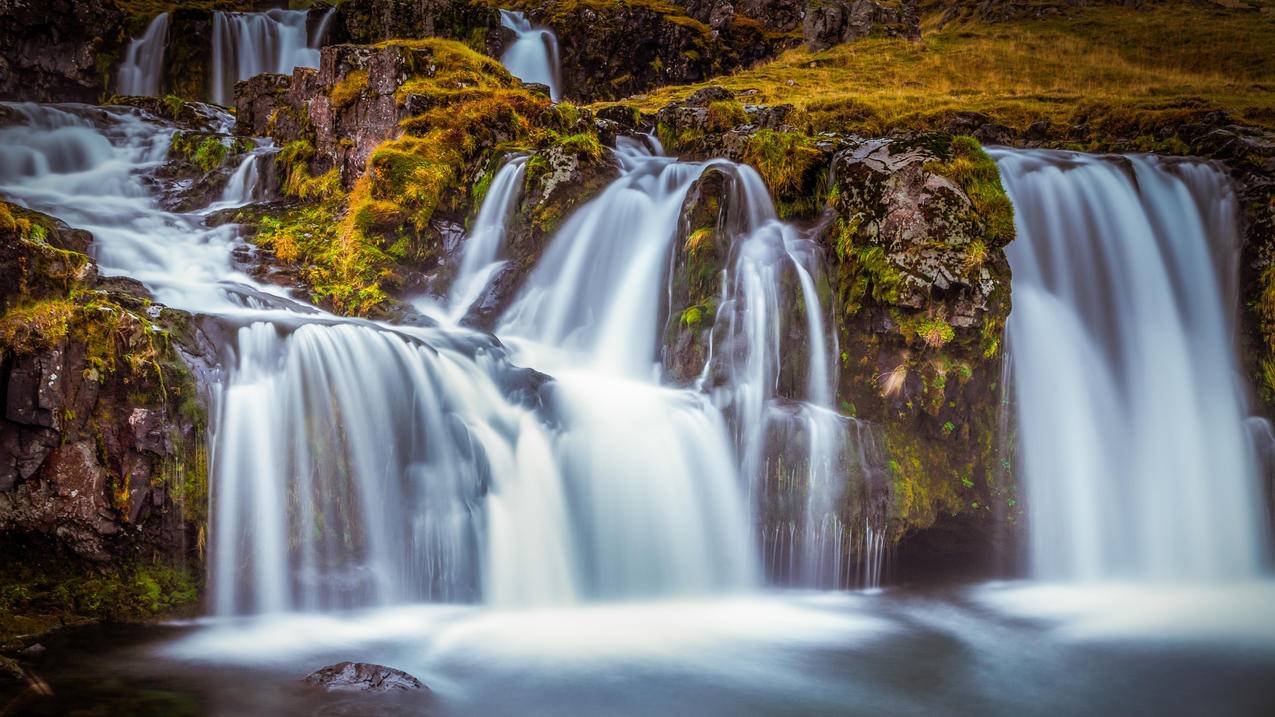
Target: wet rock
pixel 363 677
pixel 102 428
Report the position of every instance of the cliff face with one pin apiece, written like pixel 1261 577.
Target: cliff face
pixel 58 51
pixel 102 458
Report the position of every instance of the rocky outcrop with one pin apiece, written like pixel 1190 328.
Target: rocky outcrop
pixel 101 440
pixel 370 21
pixel 820 23
pixel 58 50
pixel 992 11
pixel 832 22
pixel 612 50
pixel 912 231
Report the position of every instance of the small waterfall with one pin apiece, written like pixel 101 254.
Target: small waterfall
pixel 797 452
pixel 250 180
pixel 1131 411
pixel 245 44
pixel 143 65
pixel 480 258
pixel 533 56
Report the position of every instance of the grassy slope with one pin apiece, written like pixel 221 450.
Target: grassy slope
pixel 1103 60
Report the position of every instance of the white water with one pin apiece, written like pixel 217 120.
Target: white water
pixel 533 56
pixel 143 65
pixel 480 258
pixel 355 464
pixel 1135 446
pixel 245 44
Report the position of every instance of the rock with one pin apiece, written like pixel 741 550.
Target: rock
pixel 58 50
pixel 96 452
pixel 33 651
pixel 612 50
pixel 832 22
pixel 363 677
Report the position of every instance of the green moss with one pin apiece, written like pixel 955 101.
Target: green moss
pixel 782 158
pixel 724 115
pixel 38 596
pixel 205 151
pixel 35 327
pixel 975 172
pixel 582 144
pixel 348 89
pixel 211 154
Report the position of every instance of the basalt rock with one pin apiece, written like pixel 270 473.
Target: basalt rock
pixel 369 21
pixel 58 50
pixel 832 22
pixel 101 438
pixel 363 677
pixel 612 50
pixel 923 293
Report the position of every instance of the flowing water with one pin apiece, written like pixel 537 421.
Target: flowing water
pixel 535 521
pixel 245 44
pixel 1132 413
pixel 143 64
pixel 533 56
pixel 481 254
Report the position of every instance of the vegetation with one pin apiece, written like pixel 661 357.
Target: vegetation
pixel 1112 68
pixel 39 595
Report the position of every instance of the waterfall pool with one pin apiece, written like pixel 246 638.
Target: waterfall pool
pixel 990 649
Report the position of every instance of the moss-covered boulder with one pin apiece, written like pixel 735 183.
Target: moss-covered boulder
pixel 383 148
pixel 922 283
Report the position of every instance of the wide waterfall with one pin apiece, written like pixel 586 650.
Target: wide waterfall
pixel 143 64
pixel 245 44
pixel 1132 415
pixel 533 56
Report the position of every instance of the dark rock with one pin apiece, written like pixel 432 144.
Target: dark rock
pixel 363 677
pixel 95 450
pixel 612 50
pixel 832 22
pixel 58 50
pixel 33 651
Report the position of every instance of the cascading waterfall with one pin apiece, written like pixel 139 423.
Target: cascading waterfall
pixel 533 56
pixel 480 258
pixel 1132 415
pixel 797 452
pixel 359 464
pixel 143 65
pixel 245 44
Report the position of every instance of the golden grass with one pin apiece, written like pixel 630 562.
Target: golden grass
pixel 1172 57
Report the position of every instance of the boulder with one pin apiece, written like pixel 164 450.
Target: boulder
pixel 832 22
pixel 363 677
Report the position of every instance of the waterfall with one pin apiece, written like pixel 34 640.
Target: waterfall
pixel 533 56
pixel 480 256
pixel 798 454
pixel 355 463
pixel 143 65
pixel 245 44
pixel 1131 411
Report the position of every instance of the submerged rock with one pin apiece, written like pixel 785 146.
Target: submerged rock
pixel 363 677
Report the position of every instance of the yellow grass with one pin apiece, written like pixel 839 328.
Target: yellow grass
pixel 1173 57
